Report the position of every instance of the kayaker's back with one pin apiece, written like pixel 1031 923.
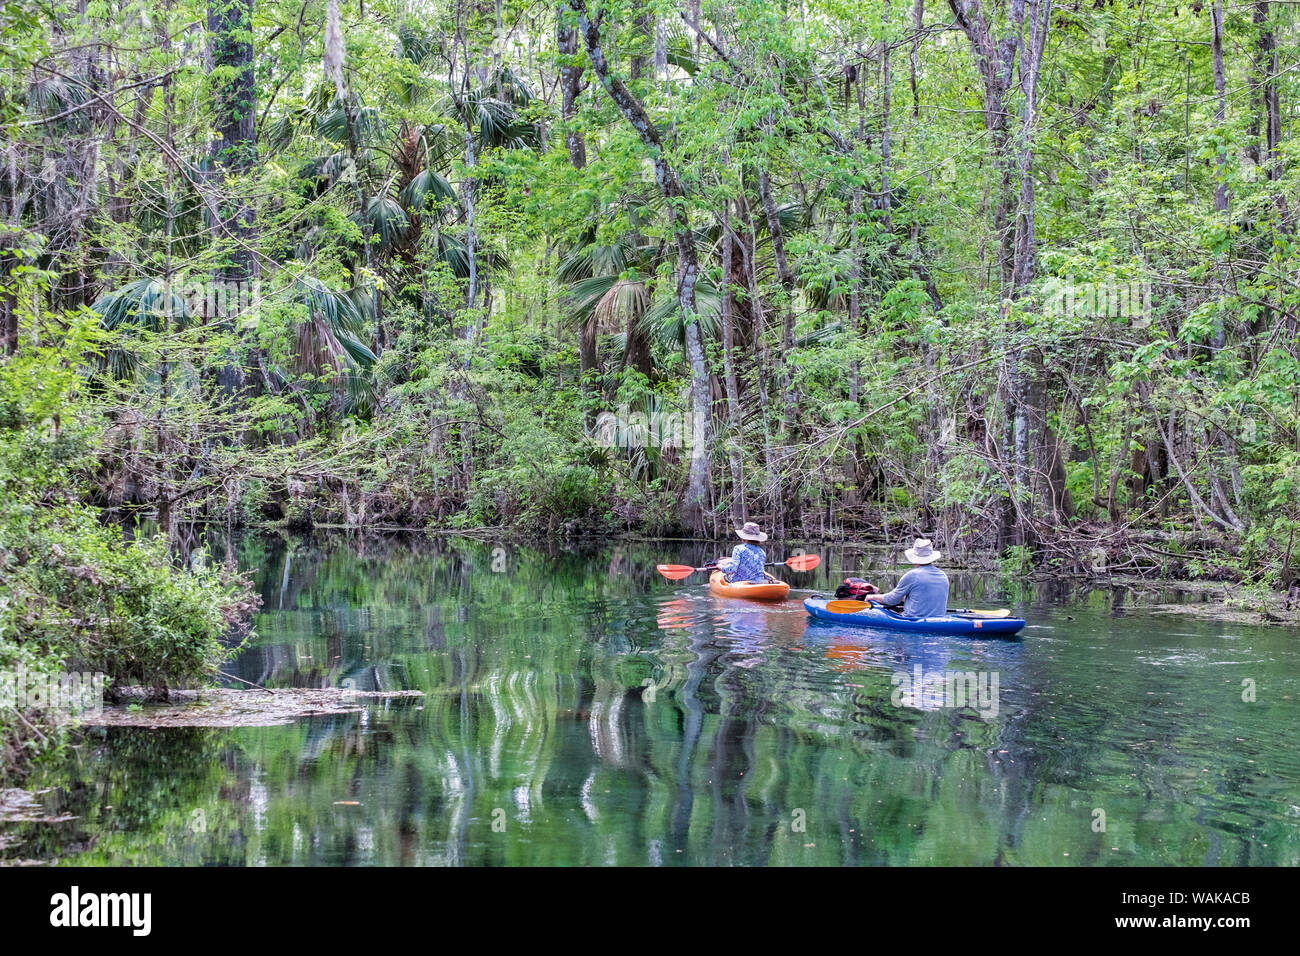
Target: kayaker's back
pixel 745 564
pixel 923 592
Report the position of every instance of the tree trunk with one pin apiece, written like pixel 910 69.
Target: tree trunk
pixel 1218 443
pixel 996 60
pixel 8 298
pixel 738 510
pixel 1221 101
pixel 637 349
pixel 571 70
pixel 570 86
pixel 688 267
pixel 918 17
pixel 234 153
pixel 230 23
pixel 886 82
pixel 334 56
pixel 1038 451
pixel 1271 105
pixel 790 501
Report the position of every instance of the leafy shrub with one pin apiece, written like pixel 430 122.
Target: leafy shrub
pixel 75 594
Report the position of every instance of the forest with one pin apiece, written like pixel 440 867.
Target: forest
pixel 1018 275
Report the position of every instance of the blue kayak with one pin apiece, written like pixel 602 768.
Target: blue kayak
pixel 891 621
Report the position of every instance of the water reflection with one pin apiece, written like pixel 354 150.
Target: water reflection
pixel 580 710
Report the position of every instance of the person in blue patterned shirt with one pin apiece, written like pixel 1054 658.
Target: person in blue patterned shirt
pixel 747 560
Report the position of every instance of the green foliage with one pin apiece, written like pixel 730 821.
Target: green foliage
pixel 1016 561
pixel 77 596
pixel 889 366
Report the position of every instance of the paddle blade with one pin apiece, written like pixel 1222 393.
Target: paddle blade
pixel 847 607
pixel 675 572
pixel 970 612
pixel 803 562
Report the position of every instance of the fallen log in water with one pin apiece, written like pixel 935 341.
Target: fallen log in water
pixel 224 707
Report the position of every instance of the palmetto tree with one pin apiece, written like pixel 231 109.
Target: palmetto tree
pixel 413 212
pixel 608 291
pixel 150 304
pixel 335 334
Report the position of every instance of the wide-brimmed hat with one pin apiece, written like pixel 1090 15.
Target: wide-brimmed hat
pixel 923 552
pixel 751 533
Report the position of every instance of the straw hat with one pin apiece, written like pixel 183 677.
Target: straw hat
pixel 751 533
pixel 923 552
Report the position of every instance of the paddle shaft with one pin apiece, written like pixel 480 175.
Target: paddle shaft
pixel 771 564
pixel 848 606
pixel 800 562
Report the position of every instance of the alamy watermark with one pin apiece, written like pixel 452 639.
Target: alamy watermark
pixel 204 300
pixel 629 429
pixel 74 692
pixel 937 690
pixel 222 299
pixel 77 909
pixel 1106 298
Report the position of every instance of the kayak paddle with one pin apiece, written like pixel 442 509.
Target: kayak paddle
pixel 800 562
pixel 852 607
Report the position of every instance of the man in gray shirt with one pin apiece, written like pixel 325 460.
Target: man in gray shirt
pixel 923 591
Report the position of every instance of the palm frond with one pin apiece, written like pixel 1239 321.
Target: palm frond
pixel 427 186
pixel 823 337
pixel 415 44
pixel 53 95
pixel 387 220
pixel 514 88
pixel 333 123
pixel 613 302
pixel 438 144
pixel 336 309
pixel 332 334
pixel 663 319
pixel 452 251
pixel 595 259
pixel 148 303
pixel 358 394
pixel 622 306
pixel 356 350
pixel 499 126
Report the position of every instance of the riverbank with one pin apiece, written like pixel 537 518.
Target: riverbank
pixel 1219 601
pixel 85 606
pixel 83 612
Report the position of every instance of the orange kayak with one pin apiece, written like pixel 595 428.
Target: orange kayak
pixel 770 590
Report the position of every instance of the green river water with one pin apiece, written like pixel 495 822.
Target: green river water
pixel 581 710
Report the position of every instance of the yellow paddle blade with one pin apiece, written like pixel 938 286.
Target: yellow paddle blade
pixel 847 607
pixel 971 612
